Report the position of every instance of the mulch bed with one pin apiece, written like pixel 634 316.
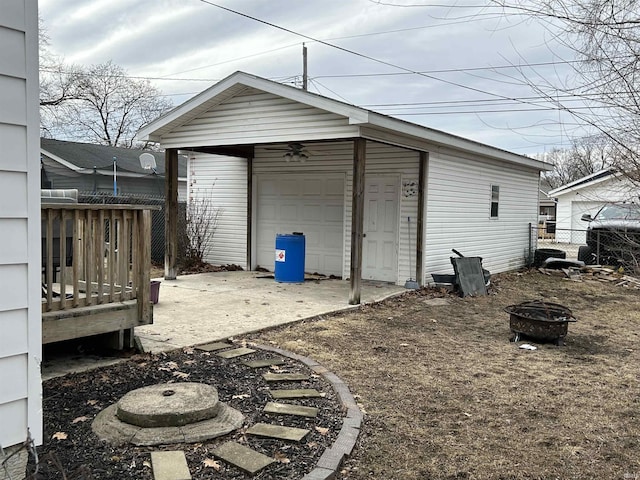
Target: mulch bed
pixel 72 451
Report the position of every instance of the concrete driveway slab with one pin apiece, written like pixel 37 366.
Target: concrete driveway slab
pixel 202 308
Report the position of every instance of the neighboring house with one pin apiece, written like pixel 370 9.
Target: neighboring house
pixel 89 169
pixel 20 308
pixel 547 204
pixel 587 195
pixel 284 160
pixel 547 212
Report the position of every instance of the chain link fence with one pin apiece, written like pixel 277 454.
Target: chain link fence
pixel 157 217
pixel 614 247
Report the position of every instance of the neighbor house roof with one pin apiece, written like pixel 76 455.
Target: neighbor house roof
pixel 543 196
pixel 237 82
pixel 584 182
pixel 84 157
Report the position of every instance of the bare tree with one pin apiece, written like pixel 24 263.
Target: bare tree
pixel 108 107
pixel 605 38
pixel 586 156
pixel 58 83
pixel 199 230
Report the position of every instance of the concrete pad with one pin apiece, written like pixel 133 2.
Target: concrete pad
pixel 285 377
pixel 207 307
pixel 267 362
pixel 299 393
pixel 278 431
pixel 236 352
pixel 170 466
pixel 242 457
pixel 290 409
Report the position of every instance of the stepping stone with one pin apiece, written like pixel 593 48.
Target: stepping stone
pixel 242 457
pixel 212 347
pixel 170 466
pixel 267 362
pixel 285 377
pixel 289 409
pixel 300 393
pixel 236 352
pixel 278 431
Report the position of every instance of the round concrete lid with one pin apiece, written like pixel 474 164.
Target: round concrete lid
pixel 168 405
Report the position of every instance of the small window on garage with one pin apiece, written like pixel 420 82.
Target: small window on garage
pixel 495 200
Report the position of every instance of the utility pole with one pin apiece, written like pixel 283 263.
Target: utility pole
pixel 115 180
pixel 305 75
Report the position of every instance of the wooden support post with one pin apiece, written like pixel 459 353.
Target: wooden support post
pixel 422 186
pixel 357 218
pixel 171 214
pixel 143 295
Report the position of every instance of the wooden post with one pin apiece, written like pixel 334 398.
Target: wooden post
pixel 143 295
pixel 422 185
pixel 171 214
pixel 357 218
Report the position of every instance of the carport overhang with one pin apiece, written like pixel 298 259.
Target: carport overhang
pixel 367 126
pixel 247 152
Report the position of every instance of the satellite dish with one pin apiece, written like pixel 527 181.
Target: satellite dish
pixel 148 161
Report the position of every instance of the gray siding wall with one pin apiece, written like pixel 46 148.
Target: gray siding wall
pixel 20 337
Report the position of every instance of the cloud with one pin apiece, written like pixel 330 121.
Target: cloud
pixel 190 40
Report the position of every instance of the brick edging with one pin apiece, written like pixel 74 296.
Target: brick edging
pixel 332 457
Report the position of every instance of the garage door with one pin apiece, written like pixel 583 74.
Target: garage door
pixel 312 204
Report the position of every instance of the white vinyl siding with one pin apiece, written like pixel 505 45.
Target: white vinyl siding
pixel 15 331
pixel 458 212
pixel 223 181
pixel 337 158
pixel 20 309
pixel 259 117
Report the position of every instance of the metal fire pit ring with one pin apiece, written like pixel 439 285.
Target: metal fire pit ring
pixel 540 320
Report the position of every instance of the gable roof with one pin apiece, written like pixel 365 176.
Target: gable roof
pixel 237 82
pixel 584 182
pixel 83 157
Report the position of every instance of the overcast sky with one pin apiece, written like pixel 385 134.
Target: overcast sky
pixel 465 48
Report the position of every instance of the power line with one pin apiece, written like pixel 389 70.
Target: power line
pixel 368 57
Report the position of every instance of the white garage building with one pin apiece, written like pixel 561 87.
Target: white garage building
pixel 587 195
pixel 376 197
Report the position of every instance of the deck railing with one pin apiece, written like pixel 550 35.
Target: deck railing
pixel 95 255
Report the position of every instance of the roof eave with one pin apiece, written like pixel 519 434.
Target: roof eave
pixel 454 141
pixel 582 183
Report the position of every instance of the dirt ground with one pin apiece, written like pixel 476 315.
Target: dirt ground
pixel 448 396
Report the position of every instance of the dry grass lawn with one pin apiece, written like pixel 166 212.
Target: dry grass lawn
pixel 447 396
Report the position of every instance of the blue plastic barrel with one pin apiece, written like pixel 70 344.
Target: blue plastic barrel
pixel 290 250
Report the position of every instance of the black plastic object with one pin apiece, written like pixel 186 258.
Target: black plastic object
pixel 541 254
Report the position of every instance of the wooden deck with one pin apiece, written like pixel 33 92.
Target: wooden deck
pixel 96 262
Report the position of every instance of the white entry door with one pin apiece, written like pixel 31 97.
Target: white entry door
pixel 380 244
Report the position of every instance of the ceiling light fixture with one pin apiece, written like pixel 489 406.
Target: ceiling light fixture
pixel 296 153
